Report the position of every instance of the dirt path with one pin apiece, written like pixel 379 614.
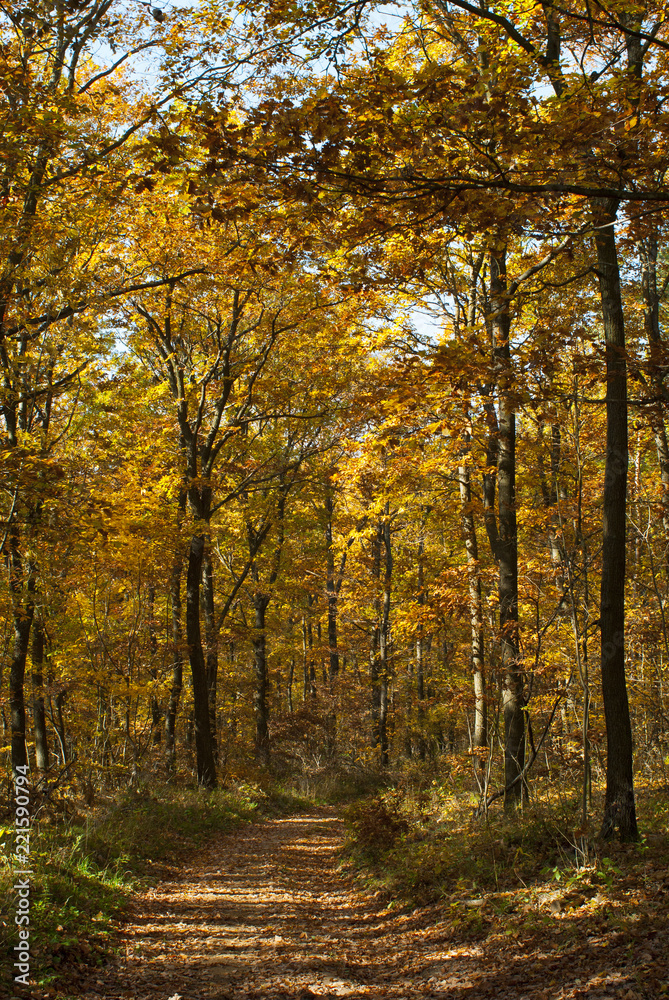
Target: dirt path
pixel 266 912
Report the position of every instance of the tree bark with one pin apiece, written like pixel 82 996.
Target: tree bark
pixel 374 657
pixel 619 805
pixel 513 702
pixel 261 598
pixel 331 587
pixel 22 581
pixel 480 734
pixel 177 668
pixel 156 727
pixel 211 644
pixel 59 725
pixel 656 361
pixel 39 714
pixel 420 656
pixel 260 602
pixel 333 668
pixel 381 643
pixel 309 682
pixel 206 766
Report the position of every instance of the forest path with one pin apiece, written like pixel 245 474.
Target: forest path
pixel 266 912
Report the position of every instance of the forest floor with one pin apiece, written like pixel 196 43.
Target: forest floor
pixel 269 911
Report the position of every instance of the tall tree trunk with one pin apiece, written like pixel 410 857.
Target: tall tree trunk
pixel 333 668
pixel 331 586
pixel 619 806
pixel 261 598
pixel 177 668
pixel 513 702
pixel 420 653
pixel 156 727
pixel 22 587
pixel 480 734
pixel 59 724
pixel 260 602
pixel 211 643
pixel 289 685
pixel 381 640
pixel 656 362
pixel 374 655
pixel 206 766
pixel 309 689
pixel 39 714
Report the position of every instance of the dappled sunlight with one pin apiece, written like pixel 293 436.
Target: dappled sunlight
pixel 268 912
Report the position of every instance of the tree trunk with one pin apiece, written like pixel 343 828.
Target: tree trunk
pixel 309 689
pixel 333 668
pixel 59 725
pixel 206 766
pixel 333 664
pixel 381 642
pixel 211 644
pixel 260 602
pixel 480 734
pixel 619 806
pixel 156 727
pixel 374 656
pixel 513 702
pixel 22 587
pixel 39 714
pixel 656 361
pixel 291 678
pixel 177 668
pixel 420 655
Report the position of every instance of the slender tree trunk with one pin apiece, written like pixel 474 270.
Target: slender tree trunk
pixel 513 702
pixel 39 714
pixel 331 586
pixel 381 660
pixel 260 602
pixel 156 727
pixel 374 654
pixel 619 805
pixel 291 678
pixel 261 599
pixel 333 669
pixel 206 766
pixel 22 587
pixel 177 668
pixel 656 361
pixel 480 735
pixel 59 725
pixel 211 643
pixel 309 689
pixel 420 654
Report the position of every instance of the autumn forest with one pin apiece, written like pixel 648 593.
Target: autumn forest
pixel 335 446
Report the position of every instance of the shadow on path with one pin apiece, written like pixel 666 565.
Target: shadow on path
pixel 265 912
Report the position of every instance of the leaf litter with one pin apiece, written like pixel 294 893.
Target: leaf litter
pixel 269 911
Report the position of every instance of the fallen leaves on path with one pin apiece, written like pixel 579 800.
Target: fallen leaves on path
pixel 268 912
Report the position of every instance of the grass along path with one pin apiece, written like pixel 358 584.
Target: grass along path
pixel 266 911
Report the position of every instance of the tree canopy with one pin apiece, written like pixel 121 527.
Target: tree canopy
pixel 333 369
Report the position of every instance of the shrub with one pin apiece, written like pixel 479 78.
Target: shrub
pixel 377 825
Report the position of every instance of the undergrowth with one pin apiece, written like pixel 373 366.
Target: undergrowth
pixel 86 866
pixel 423 845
